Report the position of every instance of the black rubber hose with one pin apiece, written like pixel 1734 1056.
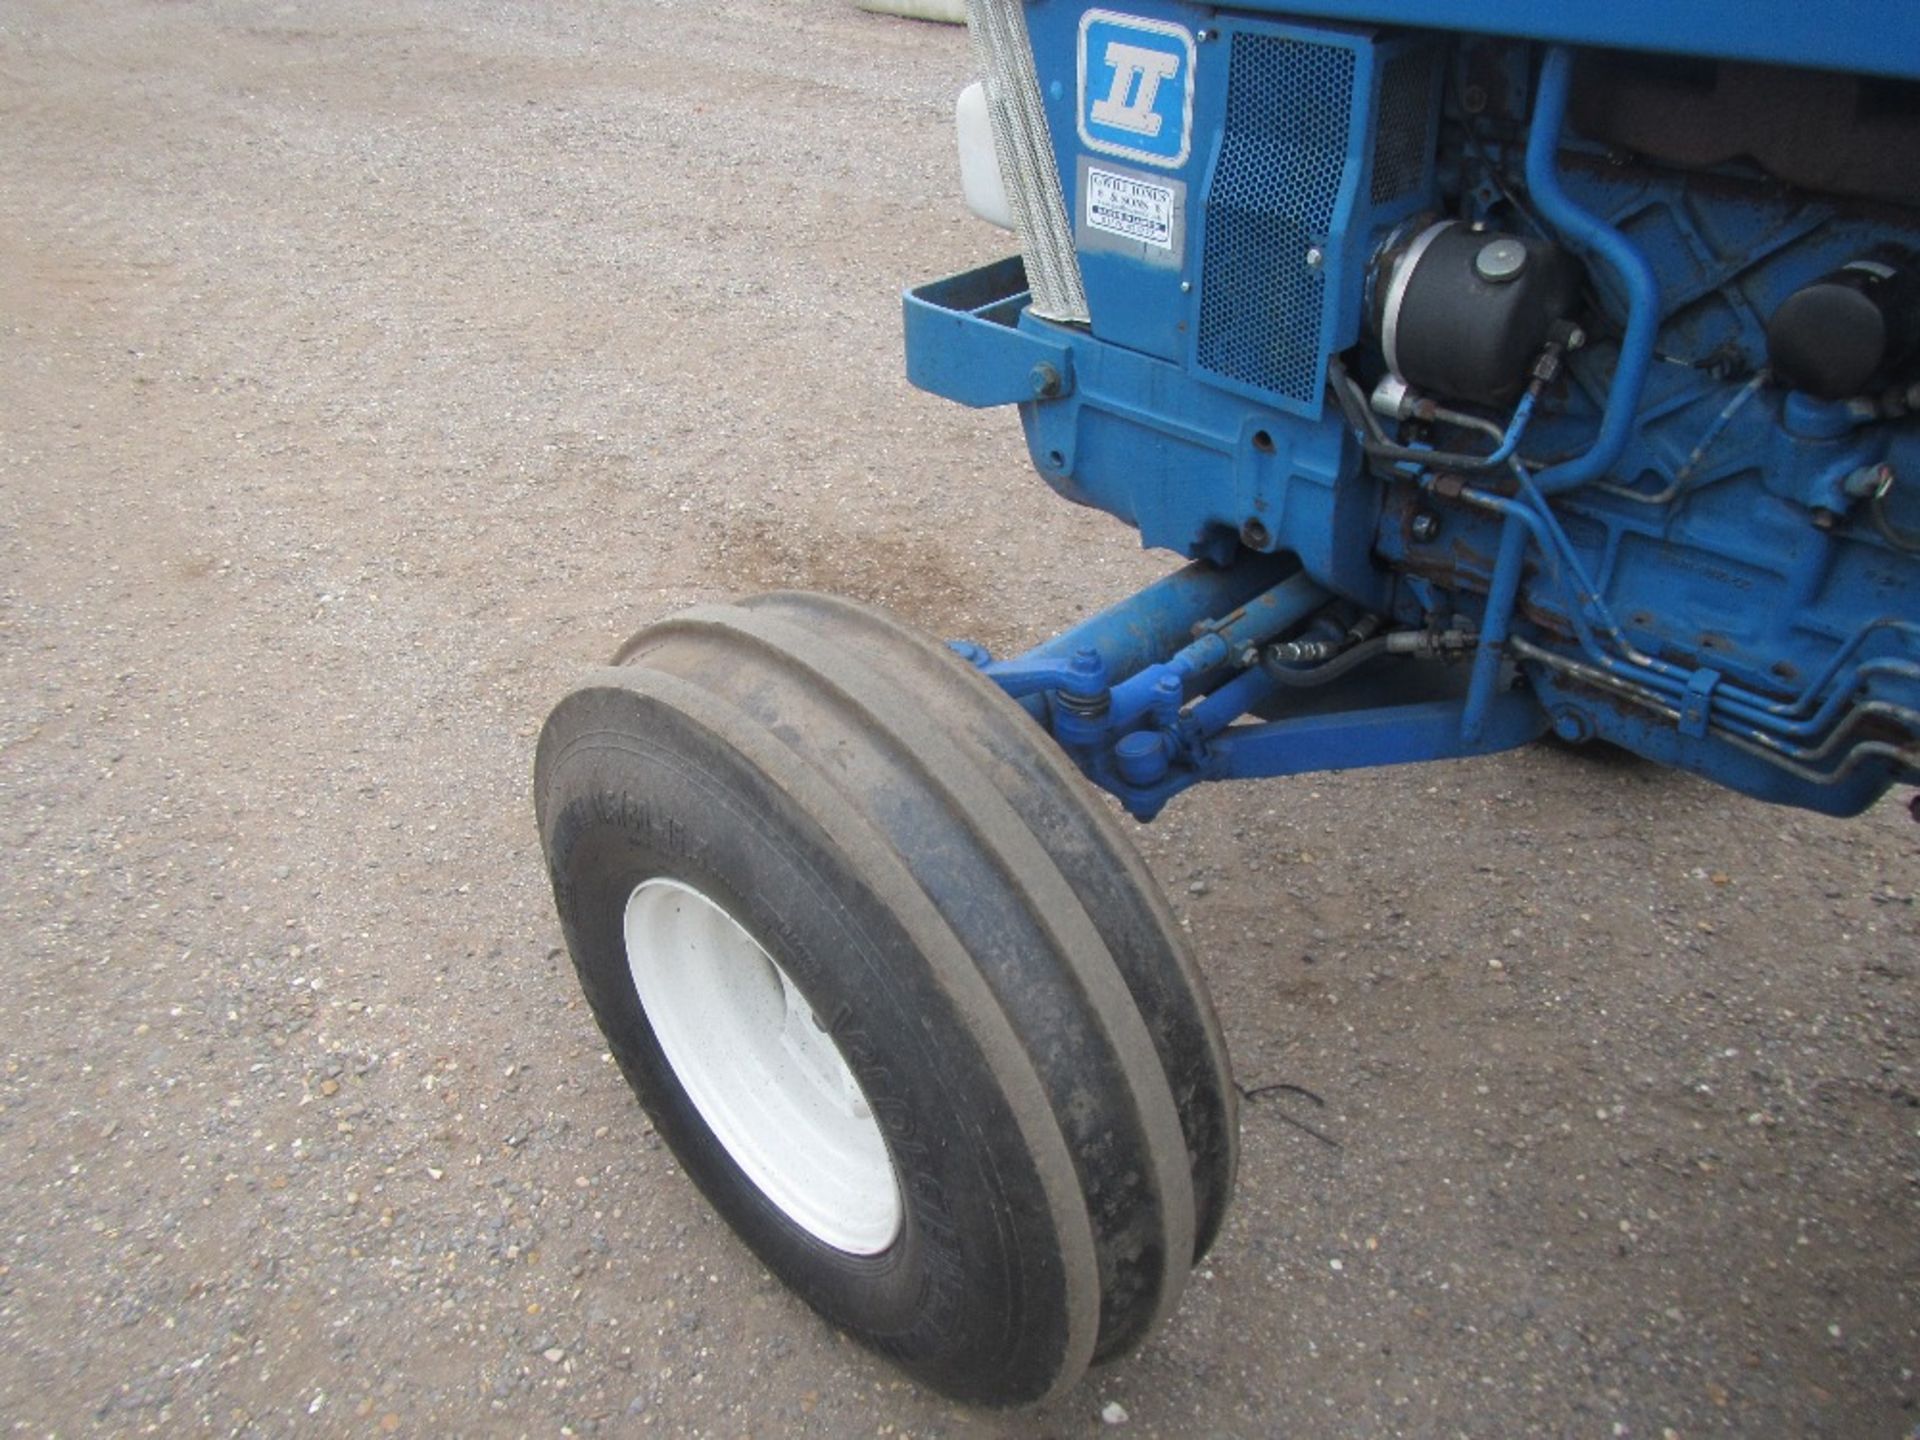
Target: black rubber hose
pixel 1325 674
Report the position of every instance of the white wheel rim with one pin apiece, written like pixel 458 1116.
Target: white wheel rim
pixel 769 1082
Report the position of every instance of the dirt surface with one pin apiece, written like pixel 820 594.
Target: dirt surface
pixel 367 370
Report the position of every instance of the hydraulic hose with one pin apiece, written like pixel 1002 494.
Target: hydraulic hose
pixel 1593 234
pixel 1291 678
pixel 1353 404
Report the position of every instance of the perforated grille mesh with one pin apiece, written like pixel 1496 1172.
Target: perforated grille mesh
pixel 1281 163
pixel 1406 105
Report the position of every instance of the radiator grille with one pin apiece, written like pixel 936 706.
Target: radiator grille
pixel 1400 145
pixel 1282 160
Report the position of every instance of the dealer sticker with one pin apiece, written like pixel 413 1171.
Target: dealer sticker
pixel 1131 208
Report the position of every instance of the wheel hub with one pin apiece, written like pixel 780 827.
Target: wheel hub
pixel 760 1068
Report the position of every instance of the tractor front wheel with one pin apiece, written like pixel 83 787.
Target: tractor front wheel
pixel 840 934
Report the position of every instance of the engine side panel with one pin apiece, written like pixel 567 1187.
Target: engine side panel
pixel 1739 594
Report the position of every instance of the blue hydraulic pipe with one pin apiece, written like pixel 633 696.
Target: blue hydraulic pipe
pixel 1254 623
pixel 1733 700
pixel 1556 550
pixel 1592 233
pixel 1153 624
pixel 1516 427
pixel 1232 700
pixel 1501 595
pixel 1260 619
pixel 1670 681
pixel 1840 658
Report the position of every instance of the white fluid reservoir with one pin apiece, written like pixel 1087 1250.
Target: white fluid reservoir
pixel 980 181
pixel 954 12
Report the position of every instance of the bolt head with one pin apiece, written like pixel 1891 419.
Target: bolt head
pixel 1424 526
pixel 1572 726
pixel 1316 257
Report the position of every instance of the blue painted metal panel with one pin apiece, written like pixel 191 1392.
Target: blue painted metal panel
pixel 1725 598
pixel 1200 471
pixel 1294 194
pixel 1874 37
pixel 1090 61
pixel 965 340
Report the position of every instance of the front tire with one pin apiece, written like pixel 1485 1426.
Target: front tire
pixel 987 1289
pixel 1095 858
pixel 863 998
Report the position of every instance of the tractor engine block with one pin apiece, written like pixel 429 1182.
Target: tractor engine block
pixel 1602 360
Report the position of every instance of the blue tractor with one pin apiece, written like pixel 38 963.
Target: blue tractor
pixel 1498 368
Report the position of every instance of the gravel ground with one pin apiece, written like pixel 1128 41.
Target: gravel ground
pixel 366 370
